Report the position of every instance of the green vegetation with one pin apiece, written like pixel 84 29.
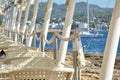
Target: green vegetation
pixel 74 25
pixel 59 11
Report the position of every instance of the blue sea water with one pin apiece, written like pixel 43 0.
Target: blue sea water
pixel 90 44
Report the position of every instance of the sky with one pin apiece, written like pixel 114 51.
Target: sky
pixel 101 3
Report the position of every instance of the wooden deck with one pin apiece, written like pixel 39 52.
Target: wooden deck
pixel 20 59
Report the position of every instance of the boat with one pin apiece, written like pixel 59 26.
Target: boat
pixel 88 33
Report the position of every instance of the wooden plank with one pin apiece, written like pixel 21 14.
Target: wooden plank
pixel 75 54
pixel 55 48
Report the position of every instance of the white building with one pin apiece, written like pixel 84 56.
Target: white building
pixel 82 25
pixel 38 26
pixel 57 25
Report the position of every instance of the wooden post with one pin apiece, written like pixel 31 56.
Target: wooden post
pixel 66 32
pixel 9 19
pixel 14 16
pixel 75 66
pixel 9 23
pixel 3 21
pixel 75 57
pixel 42 44
pixel 6 16
pixel 34 37
pixel 25 19
pixel 18 21
pixel 79 74
pixel 26 38
pixel 48 11
pixel 112 44
pixel 55 49
pixel 33 21
pixel 79 57
pixel 6 21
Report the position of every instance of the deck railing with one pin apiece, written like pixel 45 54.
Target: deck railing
pixel 75 37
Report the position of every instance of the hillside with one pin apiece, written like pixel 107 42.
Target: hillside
pixel 101 14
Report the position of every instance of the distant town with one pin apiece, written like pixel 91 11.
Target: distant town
pixel 99 17
pixel 76 25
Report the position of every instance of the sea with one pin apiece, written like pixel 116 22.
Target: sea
pixel 95 45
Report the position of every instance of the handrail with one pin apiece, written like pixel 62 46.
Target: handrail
pixel 56 34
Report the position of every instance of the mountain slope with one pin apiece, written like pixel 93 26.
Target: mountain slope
pixel 101 14
pixel 59 11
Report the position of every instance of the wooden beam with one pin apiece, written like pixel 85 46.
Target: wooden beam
pixel 66 32
pixel 48 11
pixel 33 22
pixel 112 44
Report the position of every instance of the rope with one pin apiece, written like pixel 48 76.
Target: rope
pixel 56 34
pixel 29 34
pixel 77 47
pixel 21 33
pixel 38 38
pixel 48 41
pixel 75 35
